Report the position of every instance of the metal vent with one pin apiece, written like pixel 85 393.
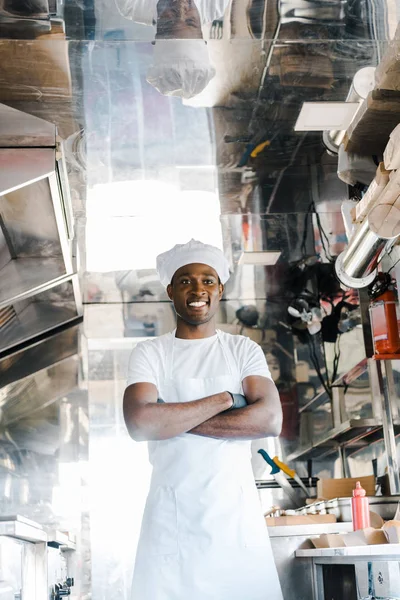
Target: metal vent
pixel 8 317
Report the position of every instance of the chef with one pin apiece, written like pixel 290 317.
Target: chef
pixel 181 63
pixel 199 396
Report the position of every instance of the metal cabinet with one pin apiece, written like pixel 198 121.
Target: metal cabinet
pixel 39 288
pixel 34 565
pixel 354 573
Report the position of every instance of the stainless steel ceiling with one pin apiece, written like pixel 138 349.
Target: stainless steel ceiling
pixel 91 82
pixel 147 171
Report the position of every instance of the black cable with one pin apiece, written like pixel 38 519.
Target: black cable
pixel 336 359
pixel 393 266
pixel 305 230
pixel 323 235
pixel 315 362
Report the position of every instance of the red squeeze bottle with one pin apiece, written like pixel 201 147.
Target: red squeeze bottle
pixel 360 508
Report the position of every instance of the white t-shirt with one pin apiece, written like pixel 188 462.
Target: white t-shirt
pixel 145 11
pixel 194 358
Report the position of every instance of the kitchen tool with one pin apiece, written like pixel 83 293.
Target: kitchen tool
pixel 309 472
pixel 375 470
pixel 292 474
pixel 280 478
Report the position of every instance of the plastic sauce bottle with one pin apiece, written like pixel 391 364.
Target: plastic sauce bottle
pixel 385 328
pixel 360 508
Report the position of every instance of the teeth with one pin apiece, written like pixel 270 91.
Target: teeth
pixel 197 304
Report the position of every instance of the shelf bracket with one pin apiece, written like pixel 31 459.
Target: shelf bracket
pixel 385 376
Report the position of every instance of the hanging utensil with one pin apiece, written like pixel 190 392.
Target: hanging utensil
pixel 281 479
pixel 292 474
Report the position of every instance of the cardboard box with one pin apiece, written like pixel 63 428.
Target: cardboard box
pixel 376 520
pixel 329 540
pixel 329 489
pixel 300 520
pixel 297 70
pixel 33 70
pixel 387 73
pixel 365 537
pixel 370 129
pixel 391 530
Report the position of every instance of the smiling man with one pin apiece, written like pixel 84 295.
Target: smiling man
pixel 199 396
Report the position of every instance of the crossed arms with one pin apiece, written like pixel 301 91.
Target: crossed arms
pixel 208 417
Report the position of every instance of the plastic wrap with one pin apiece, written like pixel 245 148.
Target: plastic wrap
pixel 387 74
pixel 372 194
pixel 391 156
pixel 354 168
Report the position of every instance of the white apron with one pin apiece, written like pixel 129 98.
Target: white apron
pixel 203 533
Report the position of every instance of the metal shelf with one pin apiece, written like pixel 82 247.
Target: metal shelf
pixel 23 531
pixel 342 381
pixel 22 278
pixel 37 318
pixel 271 484
pixel 350 433
pixel 60 539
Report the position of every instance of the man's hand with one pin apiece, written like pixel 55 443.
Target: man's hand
pixel 239 401
pixel 261 418
pixel 146 419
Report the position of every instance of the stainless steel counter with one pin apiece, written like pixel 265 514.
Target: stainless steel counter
pixel 309 530
pixel 361 572
pixel 382 550
pixel 296 576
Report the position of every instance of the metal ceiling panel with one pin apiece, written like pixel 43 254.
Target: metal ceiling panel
pixel 22 166
pixel 20 129
pixel 39 355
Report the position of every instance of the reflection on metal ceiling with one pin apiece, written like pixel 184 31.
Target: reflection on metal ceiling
pixel 147 170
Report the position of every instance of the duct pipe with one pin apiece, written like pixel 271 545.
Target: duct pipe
pixel 356 266
pixel 363 83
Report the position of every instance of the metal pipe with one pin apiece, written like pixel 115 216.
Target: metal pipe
pixel 363 83
pixel 356 266
pixel 384 369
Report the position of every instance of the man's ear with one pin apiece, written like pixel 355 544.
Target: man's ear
pixel 221 290
pixel 169 291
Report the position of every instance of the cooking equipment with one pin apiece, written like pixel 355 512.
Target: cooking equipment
pixel 384 506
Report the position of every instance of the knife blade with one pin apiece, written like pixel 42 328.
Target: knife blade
pixel 292 474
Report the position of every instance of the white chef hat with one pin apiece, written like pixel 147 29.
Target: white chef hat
pixel 180 68
pixel 186 254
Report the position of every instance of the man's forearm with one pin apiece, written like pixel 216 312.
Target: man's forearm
pixel 151 421
pixel 250 423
